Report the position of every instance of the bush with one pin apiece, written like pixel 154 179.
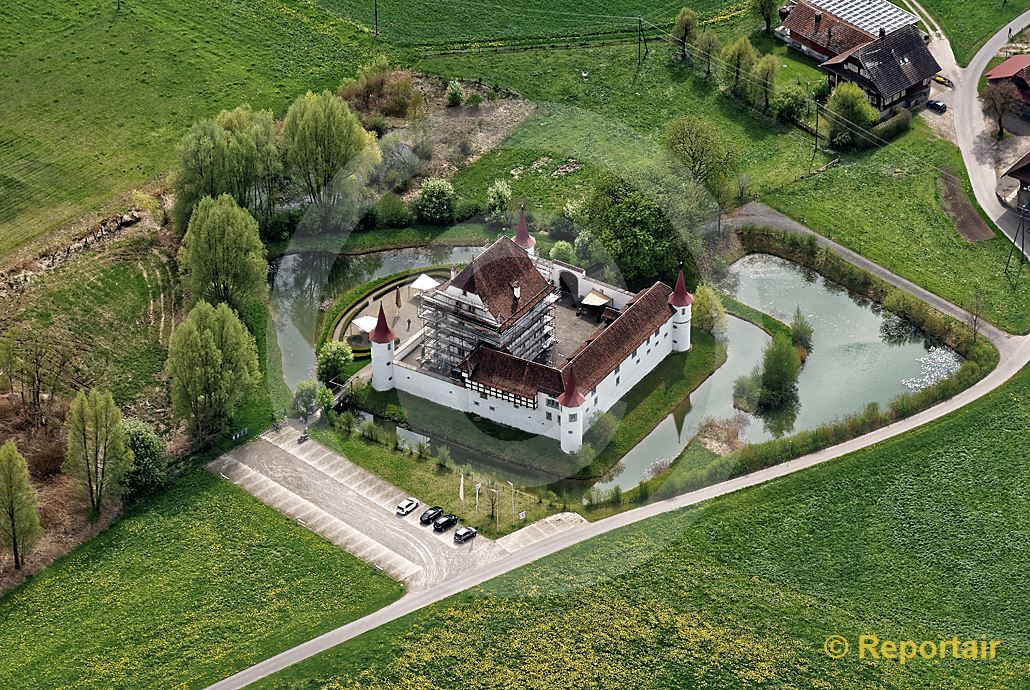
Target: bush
pixel 562 228
pixel 893 127
pixel 455 94
pixel 780 368
pixel 791 103
pixel 467 210
pixel 474 100
pixel 801 331
pixel 345 424
pixel 436 202
pixel 149 472
pixel 747 390
pixel 377 124
pixel 398 97
pixel 563 251
pixel 333 359
pixel 392 212
pixel 707 312
pixel 424 149
pixel 498 201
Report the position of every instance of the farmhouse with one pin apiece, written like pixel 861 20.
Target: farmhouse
pixel 894 70
pixel 1015 70
pixel 531 343
pixel 824 29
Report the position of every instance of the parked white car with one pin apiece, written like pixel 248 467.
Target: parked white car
pixel 406 506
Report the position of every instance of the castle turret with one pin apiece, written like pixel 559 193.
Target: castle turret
pixel 382 339
pixel 680 300
pixel 571 401
pixel 522 237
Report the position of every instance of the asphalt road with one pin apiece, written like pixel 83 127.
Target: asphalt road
pixel 974 134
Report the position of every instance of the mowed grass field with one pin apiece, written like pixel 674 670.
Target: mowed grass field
pixel 488 22
pixel 918 538
pixel 969 24
pixel 200 583
pixel 95 100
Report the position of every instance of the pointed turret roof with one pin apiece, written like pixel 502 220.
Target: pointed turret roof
pixel 382 333
pixel 571 397
pixel 680 297
pixel 522 237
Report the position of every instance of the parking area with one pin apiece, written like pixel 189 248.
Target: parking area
pixel 351 507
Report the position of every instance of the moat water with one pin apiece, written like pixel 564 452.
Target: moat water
pixel 861 353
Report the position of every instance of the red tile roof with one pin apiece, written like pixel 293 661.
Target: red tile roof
pixel 494 276
pixel 522 237
pixel 382 332
pixel 680 297
pixel 1015 65
pixel 506 372
pixel 826 30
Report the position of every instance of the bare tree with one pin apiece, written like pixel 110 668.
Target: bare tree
pixel 999 101
pixel 975 310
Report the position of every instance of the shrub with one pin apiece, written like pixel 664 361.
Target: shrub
pixel 852 114
pixel 424 149
pixel 801 331
pixel 563 251
pixel 397 99
pixel 333 359
pixel 455 94
pixel 436 202
pixel 562 228
pixel 467 210
pixel 498 201
pixel 149 472
pixel 345 424
pixel 893 127
pixel 707 313
pixel 377 124
pixel 791 103
pixel 747 390
pixel 780 368
pixel 392 212
pixel 474 100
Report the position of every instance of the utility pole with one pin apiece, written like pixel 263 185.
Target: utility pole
pixel 640 25
pixel 512 502
pixel 1020 239
pixel 377 15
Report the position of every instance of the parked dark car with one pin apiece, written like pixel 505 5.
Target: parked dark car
pixel 464 534
pixel 407 507
pixel 937 106
pixel 430 515
pixel 445 522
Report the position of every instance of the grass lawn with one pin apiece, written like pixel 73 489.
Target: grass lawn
pixel 920 538
pixel 767 323
pixel 885 204
pixel 96 100
pixel 969 24
pixel 198 584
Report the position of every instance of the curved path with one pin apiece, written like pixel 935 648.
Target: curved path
pixel 1015 354
pixel 973 134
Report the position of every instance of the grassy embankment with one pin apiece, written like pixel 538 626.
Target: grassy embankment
pixel 197 584
pixel 915 538
pixel 969 24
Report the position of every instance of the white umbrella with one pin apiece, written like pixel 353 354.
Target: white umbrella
pixel 425 282
pixel 366 323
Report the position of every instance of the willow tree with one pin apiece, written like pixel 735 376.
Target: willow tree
pixel 97 456
pixel 322 140
pixel 19 513
pixel 212 365
pixel 221 257
pixel 684 30
pixel 738 58
pixel 764 80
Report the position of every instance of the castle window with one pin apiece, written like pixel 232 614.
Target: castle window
pixel 573 417
pixel 551 402
pixel 550 417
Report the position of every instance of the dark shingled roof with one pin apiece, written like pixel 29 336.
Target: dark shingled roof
pixel 1020 169
pixel 830 32
pixel 606 348
pixel 892 63
pixel 492 275
pixel 500 370
pixel 612 344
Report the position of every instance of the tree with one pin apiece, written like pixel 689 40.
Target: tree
pixel 212 365
pixel 436 202
pixel 739 58
pixel 767 10
pixel 321 138
pixel 974 313
pixel 563 251
pixel 201 168
pixel 19 514
pixel 709 47
pixel 498 201
pixel 700 146
pixel 221 257
pixel 636 233
pixel 801 331
pixel 253 161
pixel 999 101
pixel 97 456
pixel 707 312
pixel 851 113
pixel 684 30
pixel 765 80
pixel 345 424
pixel 310 397
pixel 588 248
pixel 780 368
pixel 333 359
pixel 149 472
